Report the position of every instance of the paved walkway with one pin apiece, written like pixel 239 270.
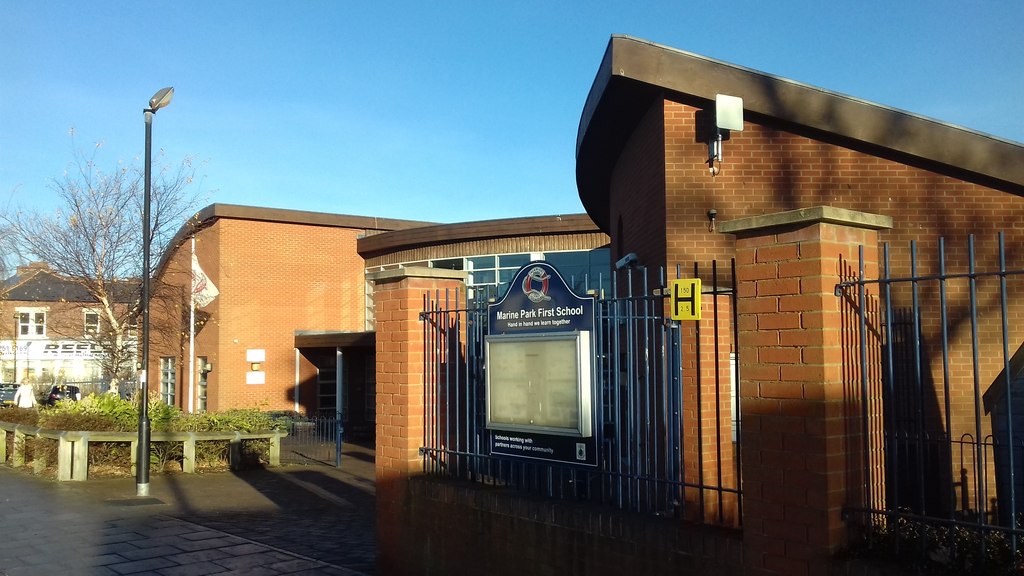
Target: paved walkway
pixel 289 520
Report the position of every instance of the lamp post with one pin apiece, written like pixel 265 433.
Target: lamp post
pixel 158 101
pixel 17 324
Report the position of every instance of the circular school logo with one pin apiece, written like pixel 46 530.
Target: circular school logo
pixel 535 285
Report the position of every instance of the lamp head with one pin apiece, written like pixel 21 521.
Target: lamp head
pixel 161 98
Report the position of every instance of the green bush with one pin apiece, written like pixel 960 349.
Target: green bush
pixel 102 412
pixel 236 420
pixel 109 412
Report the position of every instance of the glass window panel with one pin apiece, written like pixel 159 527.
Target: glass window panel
pixel 513 260
pixel 481 277
pixel 168 377
pixel 450 264
pixel 481 262
pixel 505 276
pixel 92 323
pixel 566 259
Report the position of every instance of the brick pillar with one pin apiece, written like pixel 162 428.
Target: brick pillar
pixel 800 445
pixel 398 300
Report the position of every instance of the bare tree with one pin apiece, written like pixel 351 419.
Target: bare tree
pixel 94 241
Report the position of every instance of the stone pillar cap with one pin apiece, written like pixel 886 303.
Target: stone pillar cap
pixel 815 214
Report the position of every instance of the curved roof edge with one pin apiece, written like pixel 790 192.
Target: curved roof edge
pixel 635 73
pixel 464 231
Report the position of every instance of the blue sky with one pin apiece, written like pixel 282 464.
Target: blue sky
pixel 439 111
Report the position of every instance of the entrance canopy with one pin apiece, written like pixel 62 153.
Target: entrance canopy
pixel 327 339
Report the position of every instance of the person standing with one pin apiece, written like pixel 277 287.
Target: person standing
pixel 25 397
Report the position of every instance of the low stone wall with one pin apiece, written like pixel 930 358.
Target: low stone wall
pixel 73 446
pixel 455 528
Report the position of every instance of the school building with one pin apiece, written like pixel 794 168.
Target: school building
pixel 870 353
pixel 877 333
pixel 292 322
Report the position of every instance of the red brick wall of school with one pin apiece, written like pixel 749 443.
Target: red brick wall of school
pixel 768 170
pixel 272 277
pixel 638 184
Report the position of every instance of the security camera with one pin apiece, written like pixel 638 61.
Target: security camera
pixel 626 261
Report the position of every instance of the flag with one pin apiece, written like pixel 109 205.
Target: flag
pixel 203 290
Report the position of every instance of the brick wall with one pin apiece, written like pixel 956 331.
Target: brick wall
pixel 398 301
pixel 638 194
pixel 272 278
pixel 801 452
pixel 767 170
pixel 470 530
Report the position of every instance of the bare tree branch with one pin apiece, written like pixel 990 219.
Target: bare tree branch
pixel 95 240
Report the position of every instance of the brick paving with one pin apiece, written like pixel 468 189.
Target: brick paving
pixel 289 520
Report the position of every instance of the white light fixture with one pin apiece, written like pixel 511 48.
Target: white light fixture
pixel 728 116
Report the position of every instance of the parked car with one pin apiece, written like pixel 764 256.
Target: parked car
pixel 63 392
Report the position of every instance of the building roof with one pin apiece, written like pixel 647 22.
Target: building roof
pixel 38 283
pixel 483 229
pixel 214 212
pixel 635 74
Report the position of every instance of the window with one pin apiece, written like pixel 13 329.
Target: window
pixel 32 323
pixel 369 315
pixel 168 379
pixel 327 388
pixel 583 270
pixel 203 363
pixel 92 323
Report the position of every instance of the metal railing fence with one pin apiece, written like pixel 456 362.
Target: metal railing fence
pixel 313 440
pixel 941 382
pixel 667 415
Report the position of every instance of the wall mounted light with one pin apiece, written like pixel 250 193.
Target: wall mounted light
pixel 712 214
pixel 728 116
pixel 255 366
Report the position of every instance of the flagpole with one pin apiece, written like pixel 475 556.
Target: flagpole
pixel 191 330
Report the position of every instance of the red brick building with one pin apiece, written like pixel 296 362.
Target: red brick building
pixel 53 331
pixel 295 311
pixel 808 159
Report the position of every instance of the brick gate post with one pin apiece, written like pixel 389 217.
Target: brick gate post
pixel 398 300
pixel 800 449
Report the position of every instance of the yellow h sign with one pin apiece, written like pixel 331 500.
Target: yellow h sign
pixel 685 299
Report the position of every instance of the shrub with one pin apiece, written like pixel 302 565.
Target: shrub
pixel 103 412
pixel 109 412
pixel 236 420
pixel 27 416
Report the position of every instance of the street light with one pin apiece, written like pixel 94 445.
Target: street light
pixel 158 101
pixel 17 324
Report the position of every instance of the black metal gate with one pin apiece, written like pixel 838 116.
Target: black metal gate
pixel 942 404
pixel 667 411
pixel 314 440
